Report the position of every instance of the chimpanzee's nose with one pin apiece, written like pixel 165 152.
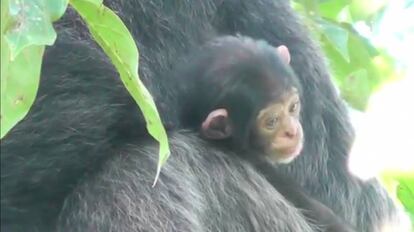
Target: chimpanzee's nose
pixel 290 132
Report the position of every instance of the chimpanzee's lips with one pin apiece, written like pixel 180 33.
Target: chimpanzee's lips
pixel 289 150
pixel 285 154
pixel 292 151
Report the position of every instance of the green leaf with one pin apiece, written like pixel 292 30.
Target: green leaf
pixel 19 84
pixel 30 24
pixel 21 58
pixel 356 88
pixel 363 10
pixel 400 186
pixel 95 2
pixel 311 6
pixel 114 38
pixel 5 52
pixel 56 8
pixel 363 56
pixel 4 15
pixel 405 193
pixel 330 9
pixel 337 36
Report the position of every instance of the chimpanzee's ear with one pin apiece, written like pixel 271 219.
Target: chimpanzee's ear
pixel 217 125
pixel 284 54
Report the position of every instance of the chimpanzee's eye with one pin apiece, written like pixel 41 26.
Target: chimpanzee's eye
pixel 271 123
pixel 294 107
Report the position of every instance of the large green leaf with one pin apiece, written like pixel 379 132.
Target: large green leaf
pixel 405 193
pixel 26 26
pixel 4 15
pixel 19 84
pixel 96 2
pixel 56 8
pixel 356 88
pixel 5 53
pixel 365 9
pixel 400 186
pixel 331 8
pixel 114 38
pixel 30 23
pixel 337 36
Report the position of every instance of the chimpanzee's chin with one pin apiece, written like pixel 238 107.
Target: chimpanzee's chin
pixel 281 159
pixel 286 159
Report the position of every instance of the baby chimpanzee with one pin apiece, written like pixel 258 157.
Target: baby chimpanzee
pixel 242 94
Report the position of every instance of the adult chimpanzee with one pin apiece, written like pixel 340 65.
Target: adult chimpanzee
pixel 242 95
pixel 80 161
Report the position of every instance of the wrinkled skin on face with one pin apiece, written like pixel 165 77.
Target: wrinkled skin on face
pixel 278 131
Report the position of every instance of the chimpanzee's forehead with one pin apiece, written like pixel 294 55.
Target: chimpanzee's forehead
pixel 278 104
pixel 283 95
pixel 278 84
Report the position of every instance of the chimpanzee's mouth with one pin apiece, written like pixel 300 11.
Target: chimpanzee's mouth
pixel 285 155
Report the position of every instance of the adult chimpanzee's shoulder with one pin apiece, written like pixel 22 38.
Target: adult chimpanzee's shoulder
pixel 200 187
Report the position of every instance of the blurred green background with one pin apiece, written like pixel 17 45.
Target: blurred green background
pixel 369 46
pixel 366 42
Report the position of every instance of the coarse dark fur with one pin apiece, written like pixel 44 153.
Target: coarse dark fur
pixel 80 160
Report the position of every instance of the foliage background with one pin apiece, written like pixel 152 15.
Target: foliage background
pixel 369 45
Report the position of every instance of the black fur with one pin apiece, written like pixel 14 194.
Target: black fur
pixel 80 160
pixel 236 73
pixel 244 76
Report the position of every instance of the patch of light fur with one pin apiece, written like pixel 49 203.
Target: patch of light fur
pixel 287 160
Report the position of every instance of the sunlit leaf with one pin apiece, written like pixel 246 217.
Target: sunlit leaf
pixel 363 10
pixel 331 8
pixel 19 85
pixel 363 56
pixel 356 88
pixel 311 6
pixel 30 24
pixel 26 26
pixel 400 187
pixel 4 15
pixel 5 52
pixel 405 193
pixel 298 7
pixel 56 8
pixel 96 2
pixel 337 36
pixel 115 39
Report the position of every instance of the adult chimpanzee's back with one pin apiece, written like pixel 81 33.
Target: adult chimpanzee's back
pixel 81 160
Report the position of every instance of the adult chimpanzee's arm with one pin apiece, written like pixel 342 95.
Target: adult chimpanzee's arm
pixel 311 208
